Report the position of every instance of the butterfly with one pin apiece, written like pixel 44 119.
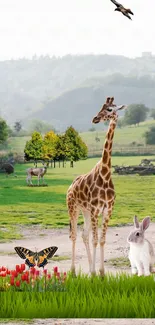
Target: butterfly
pixel 36 257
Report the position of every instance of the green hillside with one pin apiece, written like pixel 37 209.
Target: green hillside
pixel 123 137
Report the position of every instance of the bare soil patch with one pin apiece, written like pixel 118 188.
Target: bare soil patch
pixel 36 238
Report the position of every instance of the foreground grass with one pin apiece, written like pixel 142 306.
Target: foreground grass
pixel 46 206
pixel 111 297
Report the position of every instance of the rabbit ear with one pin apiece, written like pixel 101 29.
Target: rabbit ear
pixel 136 223
pixel 145 223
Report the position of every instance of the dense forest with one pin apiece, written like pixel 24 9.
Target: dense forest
pixel 70 90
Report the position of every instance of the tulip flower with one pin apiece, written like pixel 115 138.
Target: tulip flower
pixel 12 281
pixel 17 283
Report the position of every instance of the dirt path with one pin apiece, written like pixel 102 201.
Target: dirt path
pixel 122 321
pixel 36 238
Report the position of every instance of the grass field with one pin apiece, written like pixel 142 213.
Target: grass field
pixel 112 297
pixel 46 206
pixel 123 137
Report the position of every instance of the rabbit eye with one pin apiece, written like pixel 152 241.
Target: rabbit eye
pixel 137 234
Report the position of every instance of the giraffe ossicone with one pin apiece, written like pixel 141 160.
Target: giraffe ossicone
pixel 93 193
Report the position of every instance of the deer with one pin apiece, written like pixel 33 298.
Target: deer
pixel 36 171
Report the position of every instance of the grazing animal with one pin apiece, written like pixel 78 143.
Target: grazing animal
pixel 126 12
pixel 8 168
pixel 31 258
pixel 36 171
pixel 93 194
pixel 141 254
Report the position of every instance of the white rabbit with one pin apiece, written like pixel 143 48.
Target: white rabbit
pixel 141 253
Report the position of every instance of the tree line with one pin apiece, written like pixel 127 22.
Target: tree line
pixel 52 146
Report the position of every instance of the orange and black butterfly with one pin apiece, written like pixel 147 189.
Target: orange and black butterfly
pixel 33 258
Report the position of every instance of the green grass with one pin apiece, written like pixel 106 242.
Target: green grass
pixel 109 297
pixel 119 261
pixel 21 321
pixel 60 258
pixel 123 137
pixel 46 206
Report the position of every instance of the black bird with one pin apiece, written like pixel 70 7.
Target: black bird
pixel 123 10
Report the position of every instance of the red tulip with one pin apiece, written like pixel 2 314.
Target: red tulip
pixel 45 272
pixel 14 273
pixel 8 272
pixel 12 281
pixel 17 268
pixel 23 277
pixel 32 270
pixel 22 267
pixel 3 274
pixel 49 276
pixel 17 283
pixel 37 273
pixel 3 268
pixel 58 275
pixel 55 269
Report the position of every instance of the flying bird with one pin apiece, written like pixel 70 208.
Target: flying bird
pixel 33 258
pixel 123 10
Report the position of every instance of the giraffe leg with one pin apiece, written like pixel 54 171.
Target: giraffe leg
pixel 85 236
pixel 73 234
pixel 94 224
pixel 106 216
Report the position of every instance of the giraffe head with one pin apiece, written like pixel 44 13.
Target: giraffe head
pixel 108 111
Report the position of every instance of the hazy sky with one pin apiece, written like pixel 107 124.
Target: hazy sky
pixel 59 27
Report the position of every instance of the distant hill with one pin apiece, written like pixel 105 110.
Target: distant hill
pixel 78 106
pixel 72 84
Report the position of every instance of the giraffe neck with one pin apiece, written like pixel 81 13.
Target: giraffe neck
pixel 106 155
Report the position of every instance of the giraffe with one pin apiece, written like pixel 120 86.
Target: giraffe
pixel 93 194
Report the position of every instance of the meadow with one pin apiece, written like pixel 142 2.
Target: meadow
pixel 46 206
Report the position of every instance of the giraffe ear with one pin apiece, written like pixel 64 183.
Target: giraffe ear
pixel 108 100
pixel 111 100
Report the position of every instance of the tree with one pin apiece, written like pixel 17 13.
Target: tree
pixel 4 130
pixel 74 146
pixel 18 126
pixel 153 113
pixel 60 148
pixel 92 129
pixel 49 145
pixel 135 114
pixel 40 126
pixel 150 136
pixel 33 147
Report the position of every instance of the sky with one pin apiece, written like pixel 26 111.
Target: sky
pixel 60 27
